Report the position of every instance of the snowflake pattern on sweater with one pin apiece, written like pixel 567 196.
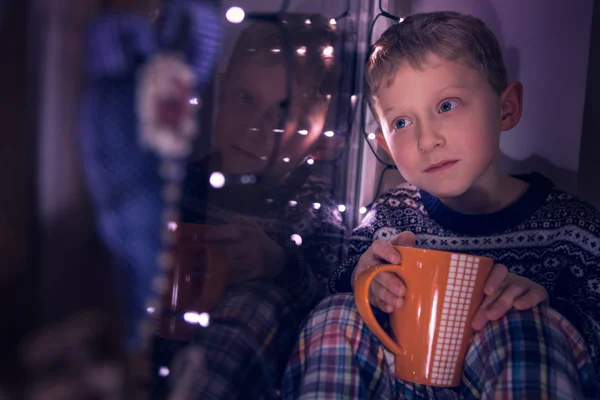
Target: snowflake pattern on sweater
pixel 548 236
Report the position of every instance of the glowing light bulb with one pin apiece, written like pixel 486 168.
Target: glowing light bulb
pixel 204 320
pixel 307 21
pixel 286 159
pixel 329 134
pixel 353 100
pixel 217 180
pixel 293 203
pixel 235 15
pixel 191 317
pixel 296 239
pixel 301 51
pixel 303 132
pixel 401 20
pixel 371 136
pixel 164 372
pixel 310 161
pixel 194 101
pixel 172 226
pixel 327 51
pixel 275 50
pixel 150 310
pixel 332 21
pixel 316 206
pixel 342 208
pixel 195 318
pixel 363 210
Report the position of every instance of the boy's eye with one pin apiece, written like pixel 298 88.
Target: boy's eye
pixel 448 105
pixel 401 123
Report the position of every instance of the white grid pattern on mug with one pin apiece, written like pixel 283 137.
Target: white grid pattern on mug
pixel 459 290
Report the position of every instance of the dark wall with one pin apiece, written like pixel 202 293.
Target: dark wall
pixel 589 159
pixel 17 176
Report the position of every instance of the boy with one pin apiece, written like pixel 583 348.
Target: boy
pixel 282 246
pixel 438 87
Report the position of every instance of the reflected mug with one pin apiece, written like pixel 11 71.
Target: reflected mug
pixel 432 330
pixel 197 281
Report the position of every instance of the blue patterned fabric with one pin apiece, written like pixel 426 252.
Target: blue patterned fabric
pixel 122 178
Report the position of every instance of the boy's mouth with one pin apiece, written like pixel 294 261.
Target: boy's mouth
pixel 440 166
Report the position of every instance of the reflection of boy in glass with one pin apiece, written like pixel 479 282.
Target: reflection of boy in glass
pixel 289 227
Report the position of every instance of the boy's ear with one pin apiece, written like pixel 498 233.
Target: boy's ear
pixel 511 106
pixel 381 141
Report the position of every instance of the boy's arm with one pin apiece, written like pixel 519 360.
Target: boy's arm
pixel 577 298
pixel 361 239
pixel 577 293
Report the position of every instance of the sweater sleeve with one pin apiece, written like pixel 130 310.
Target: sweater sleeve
pixel 577 294
pixel 369 229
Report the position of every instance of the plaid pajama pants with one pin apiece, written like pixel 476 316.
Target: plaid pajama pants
pixel 243 351
pixel 534 354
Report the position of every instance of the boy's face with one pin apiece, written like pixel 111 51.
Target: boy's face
pixel 251 117
pixel 441 125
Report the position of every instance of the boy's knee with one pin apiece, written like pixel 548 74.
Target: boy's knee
pixel 538 324
pixel 340 300
pixel 333 311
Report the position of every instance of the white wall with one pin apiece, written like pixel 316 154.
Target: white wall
pixel 546 46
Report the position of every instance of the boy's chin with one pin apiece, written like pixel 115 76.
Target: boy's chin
pixel 445 190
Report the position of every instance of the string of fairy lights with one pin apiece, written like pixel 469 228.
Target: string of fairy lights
pixel 237 15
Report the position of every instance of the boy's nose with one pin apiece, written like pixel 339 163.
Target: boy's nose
pixel 429 141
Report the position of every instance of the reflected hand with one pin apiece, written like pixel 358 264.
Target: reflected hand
pixel 503 291
pixel 387 290
pixel 252 253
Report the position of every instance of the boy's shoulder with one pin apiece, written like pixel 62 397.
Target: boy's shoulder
pixel 562 208
pixel 405 194
pixel 402 197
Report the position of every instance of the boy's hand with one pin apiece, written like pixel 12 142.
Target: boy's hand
pixel 387 289
pixel 504 291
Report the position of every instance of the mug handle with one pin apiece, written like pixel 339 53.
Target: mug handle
pixel 361 297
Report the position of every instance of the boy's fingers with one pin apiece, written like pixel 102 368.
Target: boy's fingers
pixel 379 303
pixel 480 317
pixel 530 299
pixel 504 303
pixel 385 252
pixel 383 294
pixel 391 282
pixel 496 279
pixel 404 239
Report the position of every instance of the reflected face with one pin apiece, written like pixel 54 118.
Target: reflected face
pixel 442 125
pixel 252 118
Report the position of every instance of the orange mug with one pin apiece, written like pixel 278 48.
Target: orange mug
pixel 432 330
pixel 196 282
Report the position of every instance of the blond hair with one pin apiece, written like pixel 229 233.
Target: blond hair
pixel 447 34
